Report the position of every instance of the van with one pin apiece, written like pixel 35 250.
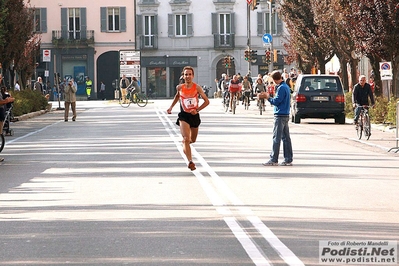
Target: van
pixel 318 96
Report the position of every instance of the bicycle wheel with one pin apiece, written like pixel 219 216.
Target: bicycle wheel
pixel 261 106
pixel 367 126
pixel 226 103
pixel 2 141
pixel 234 105
pixel 246 102
pixel 126 103
pixel 140 99
pixel 359 127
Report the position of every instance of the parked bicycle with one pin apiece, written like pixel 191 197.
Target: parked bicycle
pixel 363 124
pixel 133 96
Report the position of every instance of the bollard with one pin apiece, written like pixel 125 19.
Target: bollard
pixel 397 125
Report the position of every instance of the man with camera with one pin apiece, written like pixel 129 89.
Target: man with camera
pixel 70 99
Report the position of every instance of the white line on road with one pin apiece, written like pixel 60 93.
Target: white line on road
pixel 256 255
pixel 283 251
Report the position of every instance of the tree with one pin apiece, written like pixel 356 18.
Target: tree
pixel 18 28
pixel 306 42
pixel 377 33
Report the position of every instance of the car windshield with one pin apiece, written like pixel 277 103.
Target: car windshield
pixel 320 83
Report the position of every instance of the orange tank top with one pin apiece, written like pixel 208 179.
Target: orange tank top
pixel 189 97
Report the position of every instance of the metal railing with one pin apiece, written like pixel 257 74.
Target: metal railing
pixel 64 37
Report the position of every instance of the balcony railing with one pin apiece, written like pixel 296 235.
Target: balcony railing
pixel 224 41
pixel 66 38
pixel 149 42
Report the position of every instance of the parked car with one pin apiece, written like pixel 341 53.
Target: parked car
pixel 318 96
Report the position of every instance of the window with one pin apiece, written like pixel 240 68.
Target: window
pixel 276 23
pixel 113 19
pixel 149 31
pixel 39 19
pixel 74 23
pixel 181 25
pixel 224 28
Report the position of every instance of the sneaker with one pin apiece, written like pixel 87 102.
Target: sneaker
pixel 285 164
pixel 270 163
pixel 1 159
pixel 191 166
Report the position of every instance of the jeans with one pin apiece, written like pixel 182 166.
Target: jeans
pixel 358 109
pixel 281 132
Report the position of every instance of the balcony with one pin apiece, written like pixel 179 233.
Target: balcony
pixel 61 38
pixel 148 42
pixel 224 41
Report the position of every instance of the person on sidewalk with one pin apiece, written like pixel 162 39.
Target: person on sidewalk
pixel 89 85
pixel 3 103
pixel 70 100
pixel 281 132
pixel 189 118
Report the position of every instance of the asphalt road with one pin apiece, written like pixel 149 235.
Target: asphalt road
pixel 113 188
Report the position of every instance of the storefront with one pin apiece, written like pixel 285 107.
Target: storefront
pixel 161 74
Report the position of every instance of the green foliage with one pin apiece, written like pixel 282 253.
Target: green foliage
pixel 348 105
pixel 384 111
pixel 392 105
pixel 27 101
pixel 379 114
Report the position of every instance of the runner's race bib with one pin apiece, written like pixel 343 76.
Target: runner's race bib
pixel 189 104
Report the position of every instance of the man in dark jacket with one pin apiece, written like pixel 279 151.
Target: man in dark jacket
pixel 360 96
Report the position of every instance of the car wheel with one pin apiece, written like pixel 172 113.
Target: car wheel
pixel 340 119
pixel 297 119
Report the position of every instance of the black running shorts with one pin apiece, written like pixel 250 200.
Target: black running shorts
pixel 193 120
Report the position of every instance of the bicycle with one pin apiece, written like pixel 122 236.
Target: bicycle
pixel 261 105
pixel 246 99
pixel 226 101
pixel 364 123
pixel 133 96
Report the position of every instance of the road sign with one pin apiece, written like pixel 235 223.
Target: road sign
pixel 386 70
pixel 249 2
pixel 267 38
pixel 46 55
pixel 129 63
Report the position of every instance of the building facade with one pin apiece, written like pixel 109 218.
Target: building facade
pixel 175 33
pixel 84 38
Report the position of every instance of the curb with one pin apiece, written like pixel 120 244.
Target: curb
pixel 30 115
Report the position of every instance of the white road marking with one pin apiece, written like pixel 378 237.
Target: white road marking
pixel 282 250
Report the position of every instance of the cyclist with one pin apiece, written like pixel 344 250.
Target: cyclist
pixel 360 96
pixel 189 118
pixel 246 86
pixel 234 89
pixel 260 87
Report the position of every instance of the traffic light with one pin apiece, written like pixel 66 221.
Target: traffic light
pixel 226 61
pixel 247 55
pixel 231 61
pixel 253 54
pixel 275 55
pixel 255 4
pixel 268 56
